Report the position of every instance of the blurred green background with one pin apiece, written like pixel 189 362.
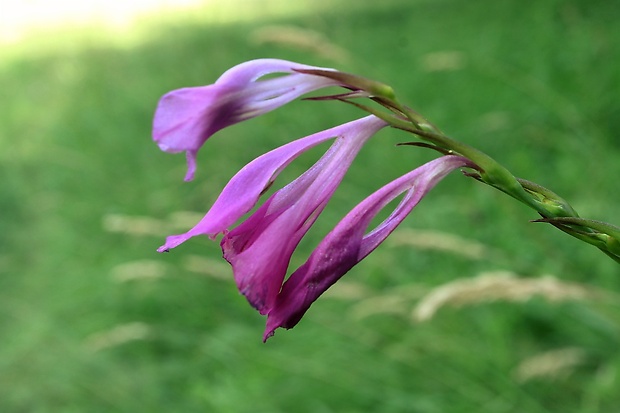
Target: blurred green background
pixel 94 320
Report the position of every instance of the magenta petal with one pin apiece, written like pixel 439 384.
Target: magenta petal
pixel 253 70
pixel 347 244
pixel 259 271
pixel 260 248
pixel 185 118
pixel 243 191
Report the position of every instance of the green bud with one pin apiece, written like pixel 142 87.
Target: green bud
pixel 602 235
pixel 553 204
pixel 613 246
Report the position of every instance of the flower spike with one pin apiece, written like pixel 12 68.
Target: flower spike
pixel 259 248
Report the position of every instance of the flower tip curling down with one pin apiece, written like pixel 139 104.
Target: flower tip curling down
pixel 173 241
pixel 191 165
pixel 348 243
pixel 186 118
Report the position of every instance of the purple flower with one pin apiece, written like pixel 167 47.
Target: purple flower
pixel 348 243
pixel 186 118
pixel 260 248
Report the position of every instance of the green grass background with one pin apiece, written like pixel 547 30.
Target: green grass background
pixel 536 87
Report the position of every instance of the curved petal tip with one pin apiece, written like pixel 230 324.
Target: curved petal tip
pixel 191 165
pixel 173 241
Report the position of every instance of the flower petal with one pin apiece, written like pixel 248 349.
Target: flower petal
pixel 185 118
pixel 260 248
pixel 243 191
pixel 346 244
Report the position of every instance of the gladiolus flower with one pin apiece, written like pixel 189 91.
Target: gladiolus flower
pixel 186 118
pixel 348 243
pixel 260 248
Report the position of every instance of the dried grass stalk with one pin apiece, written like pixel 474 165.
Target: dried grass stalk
pixel 495 286
pixel 551 365
pixel 441 241
pixel 299 38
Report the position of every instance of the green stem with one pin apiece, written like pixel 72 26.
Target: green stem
pixel 491 172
